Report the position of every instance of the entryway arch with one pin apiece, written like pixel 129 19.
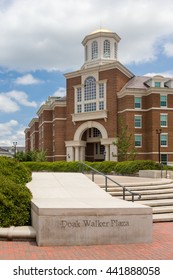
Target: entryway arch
pixel 91 142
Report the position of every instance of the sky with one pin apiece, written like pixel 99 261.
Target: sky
pixel 41 40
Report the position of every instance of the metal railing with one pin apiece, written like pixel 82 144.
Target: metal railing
pixel 133 194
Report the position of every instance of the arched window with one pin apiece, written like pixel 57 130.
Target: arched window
pixel 90 89
pixel 86 53
pixel 106 49
pixel 94 50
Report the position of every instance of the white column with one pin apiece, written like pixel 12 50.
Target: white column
pixel 107 155
pixel 82 153
pixel 77 153
pixel 70 153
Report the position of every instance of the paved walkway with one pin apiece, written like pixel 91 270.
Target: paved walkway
pixel 161 248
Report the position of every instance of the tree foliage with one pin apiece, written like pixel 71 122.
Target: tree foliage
pixel 124 143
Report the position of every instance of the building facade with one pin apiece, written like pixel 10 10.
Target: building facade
pixel 84 124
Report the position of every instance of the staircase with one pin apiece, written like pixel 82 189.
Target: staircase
pixel 159 196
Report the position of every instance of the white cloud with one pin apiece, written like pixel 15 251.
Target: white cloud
pixel 10 101
pixel 27 80
pixel 168 49
pixel 47 34
pixel 7 105
pixel 6 128
pixel 60 92
pixel 11 131
pixel 164 74
pixel 21 98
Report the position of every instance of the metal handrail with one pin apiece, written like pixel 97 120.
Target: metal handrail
pixel 133 194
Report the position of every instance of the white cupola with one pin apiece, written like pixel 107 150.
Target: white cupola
pixel 100 48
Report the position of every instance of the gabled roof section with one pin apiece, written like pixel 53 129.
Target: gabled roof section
pixel 137 82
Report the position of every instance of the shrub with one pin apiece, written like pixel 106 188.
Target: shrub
pixel 15 197
pixel 15 170
pixel 14 203
pixel 124 168
pixel 132 167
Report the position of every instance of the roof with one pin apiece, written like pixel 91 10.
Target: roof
pixel 101 30
pixel 137 82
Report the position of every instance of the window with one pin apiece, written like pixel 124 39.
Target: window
pixel 90 88
pixel 138 102
pixel 163 120
pixel 86 53
pixel 106 49
pixel 96 132
pixel 99 149
pixel 94 50
pixel 138 121
pixel 138 140
pixel 164 159
pixel 115 50
pixel 79 95
pixel 157 84
pixel 101 105
pixel 101 90
pixel 163 101
pixel 79 108
pixel 164 140
pixel 90 107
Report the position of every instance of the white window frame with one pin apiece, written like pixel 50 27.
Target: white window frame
pixel 161 121
pixel 94 50
pixel 139 120
pixel 163 106
pixel 106 49
pixel 139 97
pixel 161 135
pixel 140 146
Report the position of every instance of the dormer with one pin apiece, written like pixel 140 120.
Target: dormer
pixel 100 48
pixel 156 81
pixel 169 83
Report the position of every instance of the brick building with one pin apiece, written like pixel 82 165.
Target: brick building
pixel 84 124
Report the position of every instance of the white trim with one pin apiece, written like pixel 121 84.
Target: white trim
pixel 89 124
pixel 145 110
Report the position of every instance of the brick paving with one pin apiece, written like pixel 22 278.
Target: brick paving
pixel 161 248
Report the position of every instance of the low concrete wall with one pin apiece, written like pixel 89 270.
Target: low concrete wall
pixel 69 209
pixel 156 174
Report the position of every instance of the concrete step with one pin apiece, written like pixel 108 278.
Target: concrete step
pixel 141 188
pixel 158 202
pixel 143 192
pixel 167 217
pixel 165 209
pixel 150 197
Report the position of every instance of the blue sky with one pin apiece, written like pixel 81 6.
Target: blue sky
pixel 41 40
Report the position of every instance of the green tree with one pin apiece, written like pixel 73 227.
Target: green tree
pixel 124 143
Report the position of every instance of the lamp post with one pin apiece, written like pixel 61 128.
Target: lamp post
pixel 159 131
pixel 15 149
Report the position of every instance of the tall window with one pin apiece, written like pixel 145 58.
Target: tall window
pixel 101 90
pixel 164 158
pixel 163 120
pixel 90 89
pixel 163 100
pixel 115 50
pixel 94 50
pixel 164 140
pixel 138 121
pixel 138 140
pixel 86 53
pixel 138 103
pixel 79 95
pixel 106 48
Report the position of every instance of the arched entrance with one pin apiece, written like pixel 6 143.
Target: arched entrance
pixel 91 143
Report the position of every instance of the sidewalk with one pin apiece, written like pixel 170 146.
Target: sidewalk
pixel 161 248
